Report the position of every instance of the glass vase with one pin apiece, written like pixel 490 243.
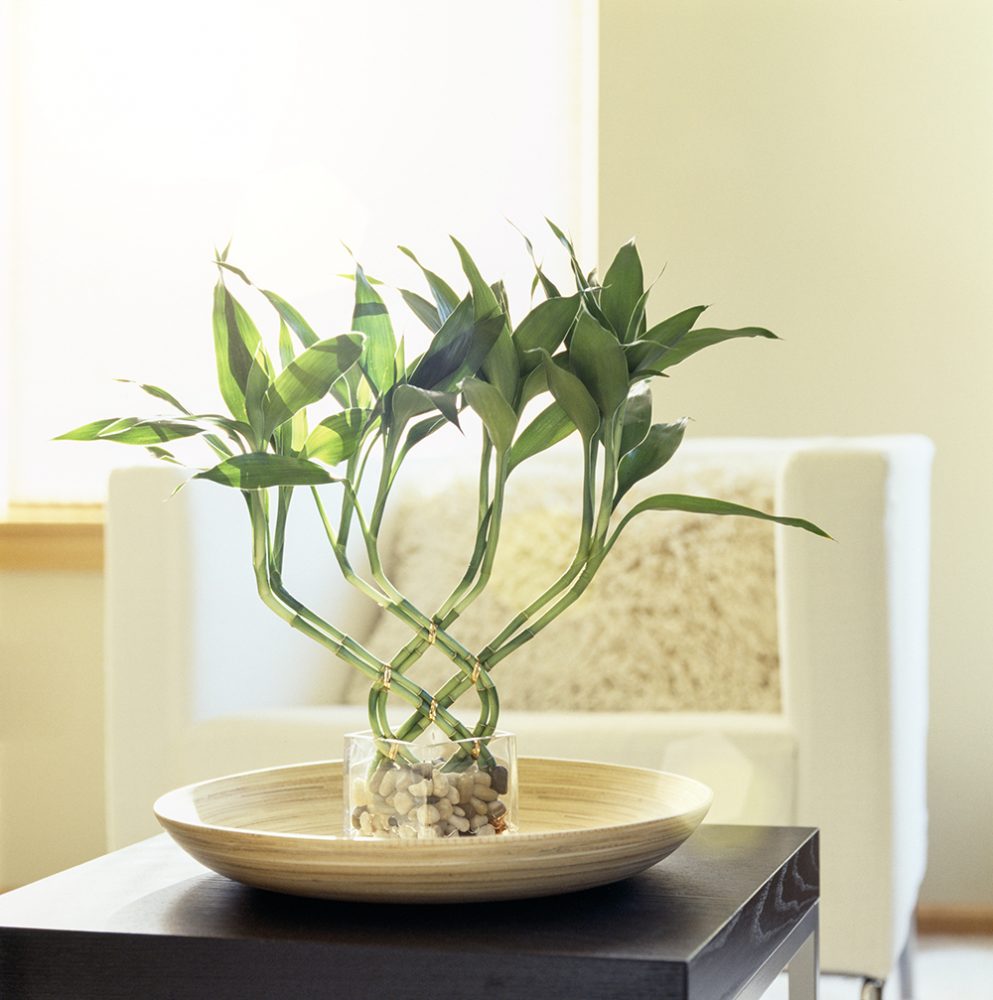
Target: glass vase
pixel 430 788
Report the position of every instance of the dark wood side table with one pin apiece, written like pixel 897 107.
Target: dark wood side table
pixel 718 919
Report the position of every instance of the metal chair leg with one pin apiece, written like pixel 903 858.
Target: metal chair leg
pixel 905 964
pixel 872 989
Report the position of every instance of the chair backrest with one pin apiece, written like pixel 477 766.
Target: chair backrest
pixel 187 640
pixel 681 616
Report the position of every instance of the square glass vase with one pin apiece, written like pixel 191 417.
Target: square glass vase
pixel 430 788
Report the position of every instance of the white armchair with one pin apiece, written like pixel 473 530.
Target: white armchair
pixel 202 680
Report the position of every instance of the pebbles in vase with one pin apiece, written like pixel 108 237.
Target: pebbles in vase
pixel 424 801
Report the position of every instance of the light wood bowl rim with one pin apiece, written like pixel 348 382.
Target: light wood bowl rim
pixel 161 808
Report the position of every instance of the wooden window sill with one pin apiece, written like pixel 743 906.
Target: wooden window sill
pixel 39 537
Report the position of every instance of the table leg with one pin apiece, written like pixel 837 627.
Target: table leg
pixel 803 971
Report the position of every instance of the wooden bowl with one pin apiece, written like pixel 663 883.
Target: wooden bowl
pixel 582 824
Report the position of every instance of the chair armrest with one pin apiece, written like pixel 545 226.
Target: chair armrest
pixel 188 638
pixel 853 633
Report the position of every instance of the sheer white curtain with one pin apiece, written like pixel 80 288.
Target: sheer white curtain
pixel 142 135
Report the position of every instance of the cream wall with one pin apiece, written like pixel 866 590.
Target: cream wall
pixel 51 723
pixel 144 135
pixel 822 168
pixel 826 169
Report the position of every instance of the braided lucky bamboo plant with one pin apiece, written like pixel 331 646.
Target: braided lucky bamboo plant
pixel 592 351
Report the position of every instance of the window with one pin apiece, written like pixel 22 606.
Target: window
pixel 140 136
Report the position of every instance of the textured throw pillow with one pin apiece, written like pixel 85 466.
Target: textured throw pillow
pixel 681 616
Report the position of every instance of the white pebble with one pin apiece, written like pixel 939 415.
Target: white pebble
pixel 403 803
pixel 485 793
pixel 478 806
pixel 360 794
pixel 485 830
pixel 466 785
pixel 483 778
pixel 459 823
pixel 428 815
pixel 422 789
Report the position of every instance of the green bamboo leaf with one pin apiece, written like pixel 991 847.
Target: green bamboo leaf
pixel 235 343
pixel 637 324
pixel 535 383
pixel 149 432
pixel 458 348
pixel 293 319
pixel 577 271
pixel 371 318
pixel 255 393
pixel 501 366
pixel 399 364
pixel 642 354
pixel 499 290
pixel 259 470
pixel 551 291
pixel 650 455
pixel 706 505
pixel 598 359
pixel 152 432
pixel 336 437
pixel 548 428
pixel 234 270
pixel 545 326
pixel 163 455
pixel 419 431
pixel 309 377
pixel 584 283
pixel 445 299
pixel 154 390
pixel 407 401
pixel 572 396
pixel 422 309
pixel 215 442
pixel 498 418
pixel 351 276
pixel 290 436
pixel 637 417
pixel 697 340
pixel 236 429
pixel 623 286
pixel 286 312
pixel 447 350
pixel 487 334
pixel 132 430
pixel 286 351
pixel 90 431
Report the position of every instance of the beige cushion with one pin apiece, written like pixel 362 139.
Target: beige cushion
pixel 681 616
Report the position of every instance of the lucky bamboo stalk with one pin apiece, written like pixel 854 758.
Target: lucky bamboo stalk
pixel 591 353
